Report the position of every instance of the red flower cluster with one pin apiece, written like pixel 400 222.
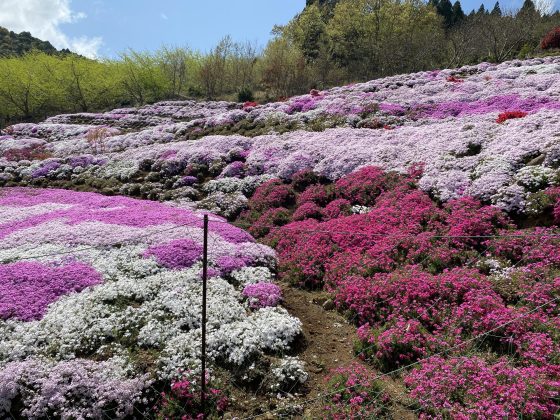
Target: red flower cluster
pixel 454 79
pixel 551 39
pixel 510 115
pixel 249 104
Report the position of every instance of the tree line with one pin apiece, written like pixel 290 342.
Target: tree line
pixel 331 42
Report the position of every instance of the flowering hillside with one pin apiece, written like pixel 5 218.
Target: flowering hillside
pixel 426 205
pixel 421 280
pixel 453 121
pixel 107 282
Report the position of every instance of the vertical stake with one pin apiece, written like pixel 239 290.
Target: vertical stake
pixel 203 354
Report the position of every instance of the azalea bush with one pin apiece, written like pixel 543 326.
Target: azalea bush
pixel 551 39
pixel 354 393
pixel 420 277
pixel 467 387
pixel 184 401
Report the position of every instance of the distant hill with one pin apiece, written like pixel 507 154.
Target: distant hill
pixel 18 44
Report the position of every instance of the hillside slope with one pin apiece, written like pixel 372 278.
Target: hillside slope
pixel 12 43
pixel 425 208
pixel 446 120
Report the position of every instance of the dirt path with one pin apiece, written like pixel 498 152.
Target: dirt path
pixel 329 344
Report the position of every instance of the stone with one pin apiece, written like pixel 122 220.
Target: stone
pixel 537 161
pixel 329 305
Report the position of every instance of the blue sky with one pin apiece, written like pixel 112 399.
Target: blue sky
pixel 103 28
pixel 147 24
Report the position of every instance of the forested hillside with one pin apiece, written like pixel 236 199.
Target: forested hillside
pixel 13 44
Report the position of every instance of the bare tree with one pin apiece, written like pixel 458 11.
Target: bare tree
pixel 174 65
pixel 212 71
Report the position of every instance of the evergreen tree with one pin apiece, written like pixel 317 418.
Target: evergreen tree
pixel 458 14
pixel 481 10
pixel 528 10
pixel 445 9
pixel 496 11
pixel 528 7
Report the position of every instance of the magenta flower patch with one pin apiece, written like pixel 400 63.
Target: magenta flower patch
pixel 27 288
pixel 262 294
pixel 181 253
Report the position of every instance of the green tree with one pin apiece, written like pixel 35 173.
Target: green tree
pixel 445 9
pixel 497 10
pixel 282 68
pixel 142 78
pixel 27 88
pixel 458 14
pixel 307 31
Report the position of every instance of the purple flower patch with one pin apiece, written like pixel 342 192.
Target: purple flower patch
pixel 178 254
pixel 27 288
pixel 262 295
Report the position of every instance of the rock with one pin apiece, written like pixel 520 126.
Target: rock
pixel 537 161
pixel 328 305
pixel 315 369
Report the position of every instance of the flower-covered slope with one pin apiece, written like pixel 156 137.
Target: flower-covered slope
pixel 488 131
pixel 107 291
pixel 458 281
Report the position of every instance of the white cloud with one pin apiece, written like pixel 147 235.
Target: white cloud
pixel 164 16
pixel 43 19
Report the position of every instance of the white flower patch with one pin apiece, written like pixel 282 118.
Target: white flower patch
pixel 357 209
pixel 534 178
pixel 248 275
pixel 288 374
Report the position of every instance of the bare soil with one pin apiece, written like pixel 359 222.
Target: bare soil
pixel 328 343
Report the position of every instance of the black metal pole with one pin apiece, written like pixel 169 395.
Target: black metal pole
pixel 203 354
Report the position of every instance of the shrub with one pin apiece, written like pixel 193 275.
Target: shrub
pixel 302 179
pixel 271 194
pixel 551 39
pixel 471 387
pixel 317 194
pixel 363 186
pixel 337 208
pixel 355 394
pixel 245 95
pixel 272 217
pixel 307 211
